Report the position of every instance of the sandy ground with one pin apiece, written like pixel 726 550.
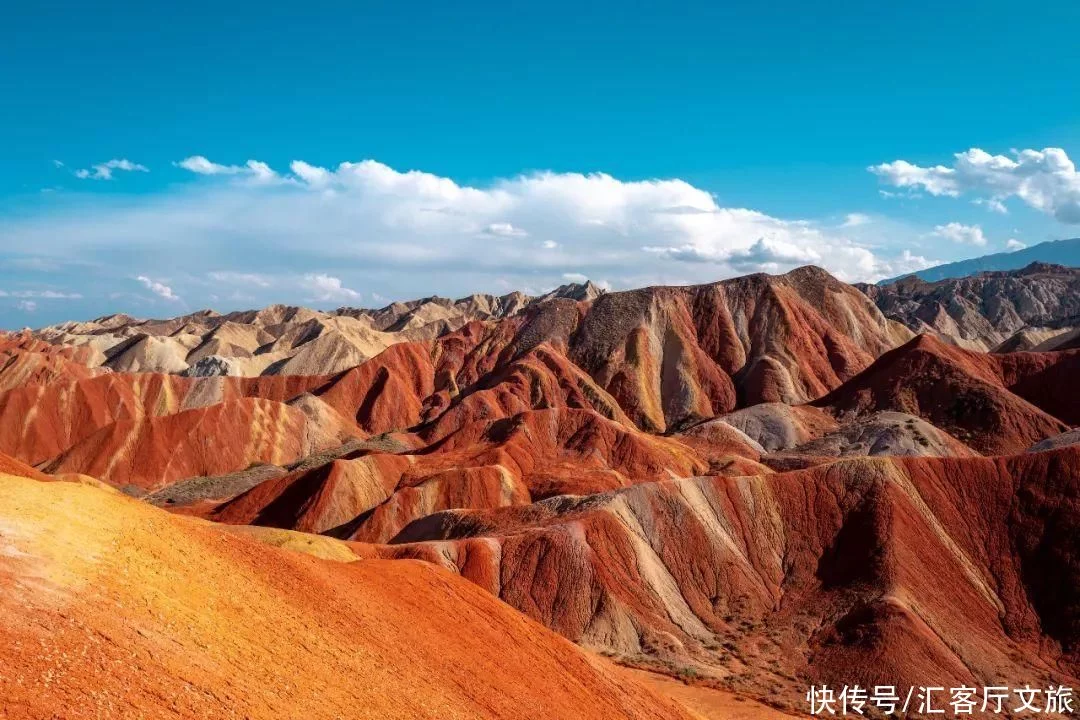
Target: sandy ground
pixel 708 703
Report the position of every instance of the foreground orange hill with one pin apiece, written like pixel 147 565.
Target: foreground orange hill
pixel 113 609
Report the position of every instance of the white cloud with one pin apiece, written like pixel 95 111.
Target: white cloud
pixel 230 277
pixel 1046 179
pixel 158 288
pixel 963 234
pixel 312 175
pixel 258 171
pixel 202 166
pixel 41 294
pixel 855 220
pixel 104 171
pixel 27 306
pixel 1012 245
pixel 411 234
pixel 993 205
pixel 327 288
pixel 937 180
pixel 504 229
pixel 320 287
pixel 908 262
pixel 765 255
pixel 575 277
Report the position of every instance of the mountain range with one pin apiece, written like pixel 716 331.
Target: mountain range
pixel 1034 308
pixel 1054 252
pixel 586 504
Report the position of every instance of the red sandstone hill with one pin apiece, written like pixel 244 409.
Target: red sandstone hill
pixel 984 400
pixel 25 360
pixel 11 466
pixel 673 355
pixel 658 359
pixel 371 496
pixel 885 571
pixel 40 420
pixel 148 452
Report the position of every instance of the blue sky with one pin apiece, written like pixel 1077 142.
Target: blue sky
pixel 627 142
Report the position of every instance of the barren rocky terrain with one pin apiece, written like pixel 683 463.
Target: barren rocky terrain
pixel 1033 308
pixel 731 490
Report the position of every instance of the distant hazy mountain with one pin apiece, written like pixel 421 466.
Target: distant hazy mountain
pixel 1057 252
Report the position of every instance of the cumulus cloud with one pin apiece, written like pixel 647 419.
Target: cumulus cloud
pixel 104 171
pixel 505 229
pixel 202 166
pixel 765 255
pixel 1046 179
pixel 1013 245
pixel 963 234
pixel 315 233
pixel 27 306
pixel 772 254
pixel 855 220
pixel 158 288
pixel 575 277
pixel 993 205
pixel 937 180
pixel 230 277
pixel 199 165
pixel 310 174
pixel 909 262
pixel 326 288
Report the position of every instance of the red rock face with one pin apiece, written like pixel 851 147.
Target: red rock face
pixel 871 571
pixel 997 404
pixel 673 355
pixel 385 393
pixel 510 461
pixel 40 420
pixel 27 361
pixel 11 466
pixel 1045 379
pixel 214 440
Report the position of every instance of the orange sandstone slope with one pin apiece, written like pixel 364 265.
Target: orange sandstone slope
pixel 11 466
pixel 41 419
pixel 25 360
pixel 112 609
pixel 148 453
